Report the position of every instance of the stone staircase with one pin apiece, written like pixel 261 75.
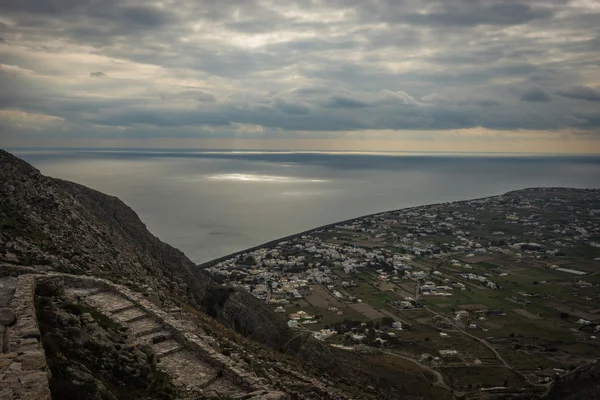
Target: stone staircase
pixel 196 367
pixel 190 372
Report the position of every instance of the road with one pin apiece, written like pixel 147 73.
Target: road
pixel 546 386
pixel 439 378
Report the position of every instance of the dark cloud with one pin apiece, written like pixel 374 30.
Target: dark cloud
pixel 535 94
pixel 193 94
pixel 302 65
pixel 581 93
pixel 146 16
pixel 292 107
pixel 473 13
pixel 488 102
pixel 345 101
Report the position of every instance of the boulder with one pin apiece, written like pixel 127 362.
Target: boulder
pixel 7 316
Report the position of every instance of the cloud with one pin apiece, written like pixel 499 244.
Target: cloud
pixel 535 94
pixel 292 107
pixel 581 93
pixel 292 67
pixel 366 99
pixel 345 101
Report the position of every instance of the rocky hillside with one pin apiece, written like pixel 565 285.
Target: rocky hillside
pixel 582 384
pixel 52 224
pixel 48 224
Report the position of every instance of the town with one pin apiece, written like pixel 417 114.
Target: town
pixel 498 296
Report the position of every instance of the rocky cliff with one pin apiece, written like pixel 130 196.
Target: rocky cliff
pixel 52 224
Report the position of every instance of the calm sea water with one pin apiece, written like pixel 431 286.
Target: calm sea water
pixel 212 203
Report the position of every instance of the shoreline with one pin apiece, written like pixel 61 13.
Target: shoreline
pixel 273 242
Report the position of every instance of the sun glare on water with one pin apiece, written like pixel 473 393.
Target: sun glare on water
pixel 263 178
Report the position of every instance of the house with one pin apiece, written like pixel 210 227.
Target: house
pixel 448 353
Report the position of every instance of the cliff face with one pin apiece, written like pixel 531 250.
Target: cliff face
pixel 50 223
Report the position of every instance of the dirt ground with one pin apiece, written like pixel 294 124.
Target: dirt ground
pixel 472 307
pixel 391 315
pixel 385 286
pixel 366 310
pixel 320 297
pixel 577 313
pixel 525 313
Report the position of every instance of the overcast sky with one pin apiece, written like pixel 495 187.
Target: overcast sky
pixel 497 75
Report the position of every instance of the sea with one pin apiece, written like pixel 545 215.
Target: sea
pixel 210 203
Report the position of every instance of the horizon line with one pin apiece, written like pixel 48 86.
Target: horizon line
pixel 290 151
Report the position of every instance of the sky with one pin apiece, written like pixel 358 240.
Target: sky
pixel 442 75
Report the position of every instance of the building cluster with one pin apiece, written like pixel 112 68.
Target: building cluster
pixel 388 247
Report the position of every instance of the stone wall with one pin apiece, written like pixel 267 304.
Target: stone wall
pixel 23 370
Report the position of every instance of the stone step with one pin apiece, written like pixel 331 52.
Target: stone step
pixel 144 326
pixel 226 388
pixel 83 292
pixel 148 331
pixel 188 369
pixel 155 337
pixel 109 302
pixel 130 315
pixel 166 348
pixel 136 318
pixel 209 381
pixel 120 309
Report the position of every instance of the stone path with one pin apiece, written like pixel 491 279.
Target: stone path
pixel 189 372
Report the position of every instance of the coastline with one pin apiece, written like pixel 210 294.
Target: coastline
pixel 273 242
